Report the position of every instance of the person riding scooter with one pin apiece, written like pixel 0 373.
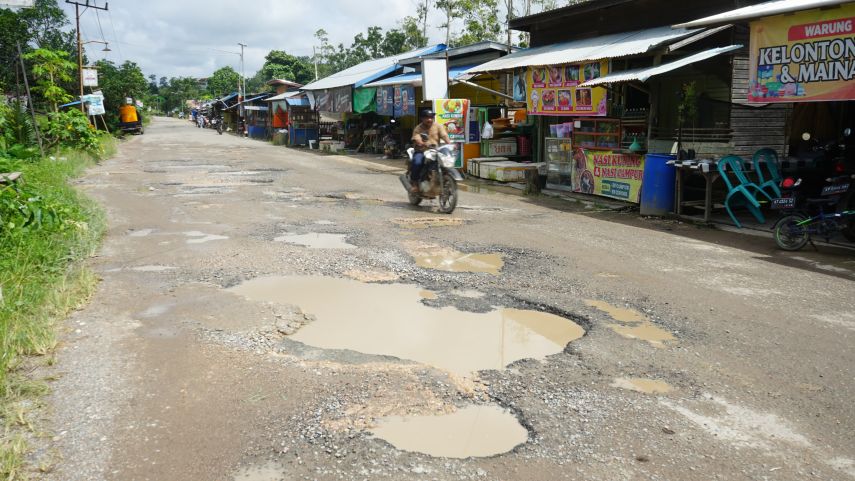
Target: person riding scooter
pixel 434 132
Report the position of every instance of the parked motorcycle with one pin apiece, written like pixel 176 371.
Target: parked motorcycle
pixel 438 178
pixel 824 214
pixel 391 148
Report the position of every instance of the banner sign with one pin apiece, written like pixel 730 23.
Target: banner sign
pixel 452 114
pixel 94 103
pixel 385 101
pixel 17 3
pixel 90 77
pixel 803 57
pixel 609 174
pixel 555 90
pixel 338 100
pixel 405 100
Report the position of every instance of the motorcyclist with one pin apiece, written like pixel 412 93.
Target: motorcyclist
pixel 434 132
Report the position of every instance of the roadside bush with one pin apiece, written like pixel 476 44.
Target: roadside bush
pixel 72 129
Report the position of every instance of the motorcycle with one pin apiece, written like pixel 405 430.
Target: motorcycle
pixel 217 123
pixel 438 178
pixel 391 149
pixel 830 212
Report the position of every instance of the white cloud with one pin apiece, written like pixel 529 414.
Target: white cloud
pixel 191 37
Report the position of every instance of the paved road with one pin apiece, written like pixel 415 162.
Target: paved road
pixel 222 344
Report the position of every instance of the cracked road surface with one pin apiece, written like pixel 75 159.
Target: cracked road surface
pixel 267 313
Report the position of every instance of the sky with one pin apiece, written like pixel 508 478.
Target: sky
pixel 174 38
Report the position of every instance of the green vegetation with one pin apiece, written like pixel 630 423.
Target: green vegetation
pixel 46 229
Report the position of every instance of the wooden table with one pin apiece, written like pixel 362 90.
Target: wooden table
pixel 708 168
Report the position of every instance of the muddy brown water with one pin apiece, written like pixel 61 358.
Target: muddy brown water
pixel 633 324
pixel 444 259
pixel 474 431
pixel 392 320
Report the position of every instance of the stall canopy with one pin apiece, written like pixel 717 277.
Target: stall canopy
pixel 605 47
pixel 366 72
pixel 297 101
pixel 286 95
pixel 415 78
pixel 766 9
pixel 248 101
pixel 642 74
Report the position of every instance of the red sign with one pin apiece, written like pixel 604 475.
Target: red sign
pixel 829 28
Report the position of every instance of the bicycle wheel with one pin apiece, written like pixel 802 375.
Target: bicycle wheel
pixel 789 235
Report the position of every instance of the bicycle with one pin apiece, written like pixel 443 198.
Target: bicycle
pixel 796 229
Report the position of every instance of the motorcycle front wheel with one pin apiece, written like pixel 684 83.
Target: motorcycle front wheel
pixel 789 235
pixel 448 196
pixel 415 199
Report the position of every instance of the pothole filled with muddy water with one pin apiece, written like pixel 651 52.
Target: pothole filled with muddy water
pixel 392 320
pixel 474 431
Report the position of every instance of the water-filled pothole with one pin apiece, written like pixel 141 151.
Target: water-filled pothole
pixel 392 320
pixel 434 257
pixel 474 431
pixel 645 386
pixel 633 324
pixel 317 240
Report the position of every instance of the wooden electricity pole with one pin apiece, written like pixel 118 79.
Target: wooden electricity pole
pixel 77 5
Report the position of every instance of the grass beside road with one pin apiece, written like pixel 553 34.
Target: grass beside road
pixel 42 280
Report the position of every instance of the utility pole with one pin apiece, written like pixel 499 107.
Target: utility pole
pixel 77 14
pixel 242 75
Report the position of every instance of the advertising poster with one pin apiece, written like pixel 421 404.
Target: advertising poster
pixel 806 56
pixel 407 106
pixel 452 113
pixel 555 90
pixel 519 85
pixel 609 174
pixel 94 103
pixel 385 101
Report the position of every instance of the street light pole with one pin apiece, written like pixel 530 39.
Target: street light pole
pixel 77 6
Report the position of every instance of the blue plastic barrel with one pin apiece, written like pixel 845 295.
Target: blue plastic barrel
pixel 657 186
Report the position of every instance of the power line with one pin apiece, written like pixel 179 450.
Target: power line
pixel 115 36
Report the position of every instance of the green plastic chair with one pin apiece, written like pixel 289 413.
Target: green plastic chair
pixel 771 178
pixel 740 190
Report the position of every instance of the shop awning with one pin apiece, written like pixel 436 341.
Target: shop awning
pixel 642 74
pixel 247 101
pixel 766 9
pixel 598 48
pixel 359 75
pixel 415 78
pixel 259 108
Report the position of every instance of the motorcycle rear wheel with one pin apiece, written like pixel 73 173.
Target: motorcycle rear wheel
pixel 448 196
pixel 790 236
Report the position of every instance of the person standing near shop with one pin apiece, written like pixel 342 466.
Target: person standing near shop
pixel 434 132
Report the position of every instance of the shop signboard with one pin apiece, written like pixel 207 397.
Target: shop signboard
pixel 554 90
pixel 803 57
pixel 90 77
pixel 453 115
pixel 609 174
pixel 385 101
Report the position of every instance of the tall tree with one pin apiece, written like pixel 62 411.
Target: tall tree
pixel 118 83
pixel 223 81
pixel 51 68
pixel 480 22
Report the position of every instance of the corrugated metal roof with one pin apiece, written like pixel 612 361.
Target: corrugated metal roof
pixel 284 96
pixel 298 102
pixel 766 9
pixel 608 46
pixel 415 78
pixel 642 74
pixel 366 72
